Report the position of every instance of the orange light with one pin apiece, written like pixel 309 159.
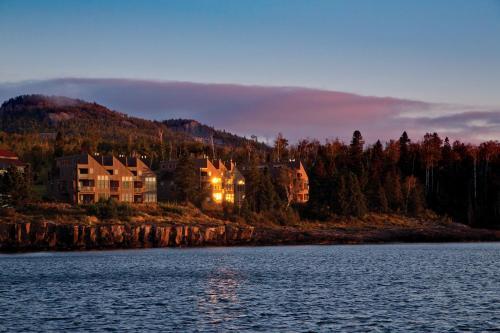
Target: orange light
pixel 217 197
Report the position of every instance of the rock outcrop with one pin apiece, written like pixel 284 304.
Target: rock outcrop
pixel 94 234
pixel 31 236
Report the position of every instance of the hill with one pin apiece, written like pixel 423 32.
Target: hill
pixel 204 133
pixel 29 114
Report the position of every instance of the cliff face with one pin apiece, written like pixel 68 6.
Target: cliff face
pixel 42 236
pixel 50 236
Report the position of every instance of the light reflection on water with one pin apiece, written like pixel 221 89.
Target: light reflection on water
pixel 433 288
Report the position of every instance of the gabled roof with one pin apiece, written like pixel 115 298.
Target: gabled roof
pixel 218 164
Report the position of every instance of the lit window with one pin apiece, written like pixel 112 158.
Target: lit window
pixel 230 198
pixel 216 180
pixel 217 197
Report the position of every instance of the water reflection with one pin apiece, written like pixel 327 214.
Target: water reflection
pixel 219 303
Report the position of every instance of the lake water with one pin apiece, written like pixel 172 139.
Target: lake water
pixel 420 288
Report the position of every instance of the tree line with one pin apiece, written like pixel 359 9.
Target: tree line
pixel 346 179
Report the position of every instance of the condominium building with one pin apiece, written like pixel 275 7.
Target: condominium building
pixel 222 182
pixel 84 179
pixel 298 181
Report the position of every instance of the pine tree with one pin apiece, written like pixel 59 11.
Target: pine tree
pixel 376 161
pixel 320 193
pixel 376 197
pixel 405 163
pixel 59 145
pixel 186 180
pixel 357 206
pixel 282 179
pixel 356 153
pixel 252 184
pixel 341 197
pixel 267 197
pixel 382 204
pixel 16 186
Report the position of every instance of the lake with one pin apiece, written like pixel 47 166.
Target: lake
pixel 359 288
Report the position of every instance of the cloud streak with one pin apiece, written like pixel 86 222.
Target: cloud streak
pixel 265 111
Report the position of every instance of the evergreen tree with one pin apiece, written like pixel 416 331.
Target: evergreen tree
pixel 15 187
pixel 320 193
pixel 282 180
pixel 341 200
pixel 267 197
pixel 59 145
pixel 376 197
pixel 252 185
pixel 376 161
pixel 357 205
pixel 405 164
pixel 356 153
pixel 186 179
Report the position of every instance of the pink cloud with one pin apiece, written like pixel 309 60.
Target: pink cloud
pixel 265 111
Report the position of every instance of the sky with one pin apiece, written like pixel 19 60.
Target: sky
pixel 438 61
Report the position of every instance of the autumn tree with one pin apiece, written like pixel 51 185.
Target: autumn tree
pixel 392 188
pixel 280 147
pixel 357 202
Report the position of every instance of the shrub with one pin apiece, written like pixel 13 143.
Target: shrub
pixel 169 207
pixel 110 209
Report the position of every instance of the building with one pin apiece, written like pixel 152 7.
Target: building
pixel 300 181
pixel 298 186
pixel 9 159
pixel 223 182
pixel 84 179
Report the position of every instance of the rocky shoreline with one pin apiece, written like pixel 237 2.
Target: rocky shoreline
pixel 50 236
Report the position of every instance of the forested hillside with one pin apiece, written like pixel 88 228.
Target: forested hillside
pixel 403 176
pixel 457 179
pixel 39 128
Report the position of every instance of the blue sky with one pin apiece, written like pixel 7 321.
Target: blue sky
pixel 438 60
pixel 438 51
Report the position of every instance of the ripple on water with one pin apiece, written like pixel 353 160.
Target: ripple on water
pixel 412 288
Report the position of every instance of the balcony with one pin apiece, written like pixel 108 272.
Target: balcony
pixel 86 188
pixel 114 189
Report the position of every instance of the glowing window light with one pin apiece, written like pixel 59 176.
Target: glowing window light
pixel 217 197
pixel 230 197
pixel 216 180
pixel 241 182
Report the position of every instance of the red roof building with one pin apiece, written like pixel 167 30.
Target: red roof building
pixel 9 159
